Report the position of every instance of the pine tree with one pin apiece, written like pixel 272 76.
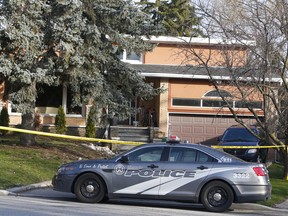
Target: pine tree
pixel 177 16
pixel 90 125
pixel 4 119
pixel 60 121
pixel 71 43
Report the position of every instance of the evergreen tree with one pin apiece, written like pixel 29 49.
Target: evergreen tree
pixel 64 42
pixel 177 16
pixel 90 125
pixel 60 121
pixel 4 119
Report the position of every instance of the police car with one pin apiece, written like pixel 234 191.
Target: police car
pixel 167 171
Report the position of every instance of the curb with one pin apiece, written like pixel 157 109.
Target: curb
pixel 4 193
pixel 16 190
pixel 254 206
pixel 251 206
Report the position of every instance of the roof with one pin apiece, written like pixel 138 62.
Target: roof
pixel 198 41
pixel 193 72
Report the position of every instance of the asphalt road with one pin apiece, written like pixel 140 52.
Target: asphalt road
pixel 46 202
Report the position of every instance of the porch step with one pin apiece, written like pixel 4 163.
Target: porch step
pixel 133 134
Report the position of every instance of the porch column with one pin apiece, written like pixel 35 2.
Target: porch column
pixel 64 99
pixel 163 107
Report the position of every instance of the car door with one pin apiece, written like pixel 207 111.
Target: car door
pixel 185 170
pixel 136 175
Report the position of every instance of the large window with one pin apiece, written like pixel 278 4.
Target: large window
pixel 213 99
pixel 49 96
pixel 52 97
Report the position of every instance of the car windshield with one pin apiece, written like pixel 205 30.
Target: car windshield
pixel 239 135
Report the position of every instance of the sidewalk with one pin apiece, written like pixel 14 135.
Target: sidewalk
pixel 283 205
pixel 16 190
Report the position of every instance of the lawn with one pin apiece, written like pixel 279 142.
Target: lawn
pixel 279 186
pixel 21 165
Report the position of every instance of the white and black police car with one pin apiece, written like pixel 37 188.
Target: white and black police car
pixel 168 171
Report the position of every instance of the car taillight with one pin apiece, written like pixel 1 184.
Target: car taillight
pixel 259 171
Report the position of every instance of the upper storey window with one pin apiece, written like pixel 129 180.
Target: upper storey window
pixel 215 93
pixel 132 57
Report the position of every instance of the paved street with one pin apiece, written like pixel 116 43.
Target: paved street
pixel 46 202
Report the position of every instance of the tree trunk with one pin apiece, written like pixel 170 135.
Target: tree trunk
pixel 27 124
pixel 285 160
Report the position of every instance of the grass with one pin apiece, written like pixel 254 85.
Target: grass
pixel 279 186
pixel 23 165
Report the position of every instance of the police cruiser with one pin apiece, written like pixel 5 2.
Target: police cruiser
pixel 167 171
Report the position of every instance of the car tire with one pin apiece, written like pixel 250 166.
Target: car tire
pixel 89 188
pixel 217 196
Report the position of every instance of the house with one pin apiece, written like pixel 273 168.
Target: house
pixel 189 108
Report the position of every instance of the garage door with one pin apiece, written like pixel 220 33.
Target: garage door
pixel 200 128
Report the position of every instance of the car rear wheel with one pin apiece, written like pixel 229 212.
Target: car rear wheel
pixel 89 188
pixel 217 196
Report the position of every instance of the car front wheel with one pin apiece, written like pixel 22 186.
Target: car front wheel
pixel 217 196
pixel 89 188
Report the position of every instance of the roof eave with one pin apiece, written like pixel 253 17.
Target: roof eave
pixel 205 77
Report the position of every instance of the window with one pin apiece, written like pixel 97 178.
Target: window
pixel 215 93
pixel 52 96
pixel 202 157
pixel 182 154
pixel 132 57
pixel 49 96
pixel 186 102
pixel 215 103
pixel 252 104
pixel 146 155
pixel 71 109
pixel 178 154
pixel 213 99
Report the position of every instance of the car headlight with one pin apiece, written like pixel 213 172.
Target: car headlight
pixel 252 151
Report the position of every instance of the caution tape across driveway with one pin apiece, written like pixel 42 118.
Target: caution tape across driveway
pixel 245 147
pixel 115 141
pixel 69 136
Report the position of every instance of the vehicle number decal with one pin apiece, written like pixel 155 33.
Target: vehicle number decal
pixel 241 175
pixel 226 159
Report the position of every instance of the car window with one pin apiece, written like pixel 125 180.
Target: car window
pixel 152 154
pixel 202 157
pixel 179 154
pixel 239 134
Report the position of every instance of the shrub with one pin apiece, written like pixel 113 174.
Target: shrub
pixel 4 119
pixel 90 125
pixel 60 121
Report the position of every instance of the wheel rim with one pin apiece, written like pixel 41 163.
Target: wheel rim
pixel 90 188
pixel 217 196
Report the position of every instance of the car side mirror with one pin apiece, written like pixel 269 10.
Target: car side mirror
pixel 219 138
pixel 124 159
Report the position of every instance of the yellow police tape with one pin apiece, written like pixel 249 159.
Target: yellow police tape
pixel 115 141
pixel 69 136
pixel 245 147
